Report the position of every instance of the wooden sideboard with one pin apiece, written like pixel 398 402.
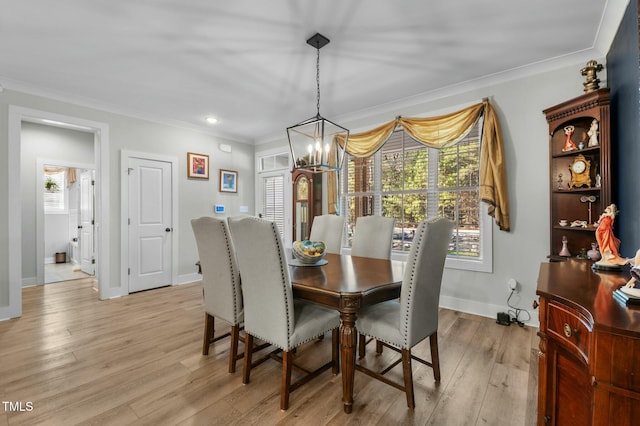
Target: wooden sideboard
pixel 589 359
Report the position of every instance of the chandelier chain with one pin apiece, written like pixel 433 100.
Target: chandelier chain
pixel 318 80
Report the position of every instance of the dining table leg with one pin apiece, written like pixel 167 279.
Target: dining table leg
pixel 348 339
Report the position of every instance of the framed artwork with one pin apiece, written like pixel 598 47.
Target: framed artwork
pixel 197 165
pixel 228 181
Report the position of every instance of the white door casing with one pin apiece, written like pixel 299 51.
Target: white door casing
pixel 100 130
pixel 150 224
pixel 86 225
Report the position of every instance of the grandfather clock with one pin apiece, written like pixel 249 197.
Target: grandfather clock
pixel 307 201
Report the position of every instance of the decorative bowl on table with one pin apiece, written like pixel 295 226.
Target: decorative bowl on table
pixel 308 252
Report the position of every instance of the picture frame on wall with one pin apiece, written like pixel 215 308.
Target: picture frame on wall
pixel 197 166
pixel 228 181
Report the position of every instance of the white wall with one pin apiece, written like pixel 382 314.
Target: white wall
pixel 516 254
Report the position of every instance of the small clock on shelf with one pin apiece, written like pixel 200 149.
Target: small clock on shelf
pixel 579 169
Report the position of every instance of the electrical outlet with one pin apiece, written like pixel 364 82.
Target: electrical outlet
pixel 512 285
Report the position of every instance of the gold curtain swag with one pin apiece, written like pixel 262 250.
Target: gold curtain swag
pixel 71 173
pixel 445 131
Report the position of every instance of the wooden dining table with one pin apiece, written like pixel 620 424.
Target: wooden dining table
pixel 348 284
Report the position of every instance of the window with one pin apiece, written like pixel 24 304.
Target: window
pixel 54 192
pixel 408 181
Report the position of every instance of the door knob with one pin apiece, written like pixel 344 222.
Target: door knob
pixel 167 229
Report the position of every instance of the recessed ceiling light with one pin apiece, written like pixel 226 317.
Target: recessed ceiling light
pixel 211 120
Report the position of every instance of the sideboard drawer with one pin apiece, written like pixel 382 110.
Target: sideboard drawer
pixel 569 328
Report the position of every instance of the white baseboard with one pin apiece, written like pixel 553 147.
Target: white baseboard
pixel 481 309
pixel 188 278
pixel 29 282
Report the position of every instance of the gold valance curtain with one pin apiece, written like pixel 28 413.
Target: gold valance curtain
pixel 445 131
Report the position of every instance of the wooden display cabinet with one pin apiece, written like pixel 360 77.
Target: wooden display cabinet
pixel 307 202
pixel 580 178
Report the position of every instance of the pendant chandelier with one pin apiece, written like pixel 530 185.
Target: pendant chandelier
pixel 317 144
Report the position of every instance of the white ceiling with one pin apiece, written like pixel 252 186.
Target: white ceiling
pixel 247 62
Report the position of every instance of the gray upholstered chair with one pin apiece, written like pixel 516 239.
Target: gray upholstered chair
pixel 372 237
pixel 328 228
pixel 400 325
pixel 221 282
pixel 271 313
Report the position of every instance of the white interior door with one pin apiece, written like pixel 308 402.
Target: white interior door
pixel 150 224
pixel 86 225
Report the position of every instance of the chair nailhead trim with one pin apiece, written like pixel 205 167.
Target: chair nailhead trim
pixel 284 278
pixel 232 270
pixel 423 230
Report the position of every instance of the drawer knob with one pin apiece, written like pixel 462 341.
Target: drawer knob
pixel 568 331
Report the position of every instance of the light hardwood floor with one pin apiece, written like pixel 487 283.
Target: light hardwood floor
pixel 137 360
pixel 56 272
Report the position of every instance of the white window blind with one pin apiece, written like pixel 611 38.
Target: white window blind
pixel 273 201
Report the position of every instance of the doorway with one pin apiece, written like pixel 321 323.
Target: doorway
pixel 273 190
pixel 66 227
pixel 100 132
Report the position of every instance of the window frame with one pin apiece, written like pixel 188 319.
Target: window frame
pixel 482 263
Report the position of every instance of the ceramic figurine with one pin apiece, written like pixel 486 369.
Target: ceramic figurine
pixel 594 254
pixel 608 243
pixel 593 134
pixel 569 144
pixel 565 250
pixel 635 271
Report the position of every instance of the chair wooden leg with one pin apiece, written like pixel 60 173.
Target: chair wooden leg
pixel 287 363
pixel 335 351
pixel 435 358
pixel 246 369
pixel 362 343
pixel 408 377
pixel 233 348
pixel 378 347
pixel 208 333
